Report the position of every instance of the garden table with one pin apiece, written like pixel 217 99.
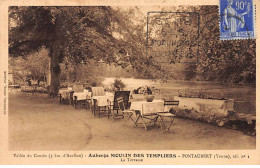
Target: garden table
pixel 147 110
pixel 84 97
pixel 65 93
pixel 101 101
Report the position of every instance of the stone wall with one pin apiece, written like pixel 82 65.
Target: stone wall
pixel 220 112
pixel 208 110
pixel 206 107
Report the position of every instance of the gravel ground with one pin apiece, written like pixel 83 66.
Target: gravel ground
pixel 39 123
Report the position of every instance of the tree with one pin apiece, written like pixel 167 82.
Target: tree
pixel 31 66
pixel 225 61
pixel 77 33
pixel 118 36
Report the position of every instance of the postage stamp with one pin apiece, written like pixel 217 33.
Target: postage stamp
pixel 172 37
pixel 237 19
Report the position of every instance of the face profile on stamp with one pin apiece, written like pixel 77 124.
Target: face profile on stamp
pixel 237 19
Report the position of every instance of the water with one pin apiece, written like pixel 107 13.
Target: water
pixel 244 95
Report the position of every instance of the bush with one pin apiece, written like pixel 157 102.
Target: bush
pixel 118 84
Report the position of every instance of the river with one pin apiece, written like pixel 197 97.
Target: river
pixel 243 94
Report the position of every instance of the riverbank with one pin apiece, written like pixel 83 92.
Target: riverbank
pixel 243 95
pixel 39 123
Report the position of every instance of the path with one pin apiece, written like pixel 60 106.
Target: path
pixel 39 123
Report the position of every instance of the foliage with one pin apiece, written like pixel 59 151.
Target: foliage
pixel 224 61
pixel 91 73
pixel 118 84
pixel 31 67
pixel 117 36
pixel 75 33
pixel 146 90
pixel 79 29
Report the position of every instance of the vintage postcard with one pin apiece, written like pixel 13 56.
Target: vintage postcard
pixel 145 82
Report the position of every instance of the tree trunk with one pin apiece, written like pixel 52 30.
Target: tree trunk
pixel 55 54
pixel 49 73
pixel 55 69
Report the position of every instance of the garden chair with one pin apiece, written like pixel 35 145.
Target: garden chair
pixel 98 91
pixel 168 104
pixel 77 88
pixel 65 96
pixel 167 117
pixel 127 114
pixel 98 106
pixel 114 108
pixel 83 98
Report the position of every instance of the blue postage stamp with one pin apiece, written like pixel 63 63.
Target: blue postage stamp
pixel 237 19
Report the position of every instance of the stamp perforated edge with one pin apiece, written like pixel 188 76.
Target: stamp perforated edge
pixel 240 38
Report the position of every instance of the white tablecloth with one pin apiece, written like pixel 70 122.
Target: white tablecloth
pixel 103 100
pixel 65 93
pixel 82 95
pixel 148 107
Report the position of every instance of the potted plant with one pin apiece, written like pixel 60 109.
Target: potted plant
pixel 149 96
pixel 144 93
pixel 119 84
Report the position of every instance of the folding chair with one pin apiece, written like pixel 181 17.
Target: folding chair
pixel 127 114
pixel 114 109
pixel 171 103
pixel 167 116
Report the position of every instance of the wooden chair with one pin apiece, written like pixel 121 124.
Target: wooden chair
pixel 98 91
pixel 65 95
pixel 127 114
pixel 76 89
pixel 83 97
pixel 167 117
pixel 114 108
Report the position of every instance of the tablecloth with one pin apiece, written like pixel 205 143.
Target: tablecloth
pixel 103 100
pixel 82 95
pixel 148 107
pixel 65 93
